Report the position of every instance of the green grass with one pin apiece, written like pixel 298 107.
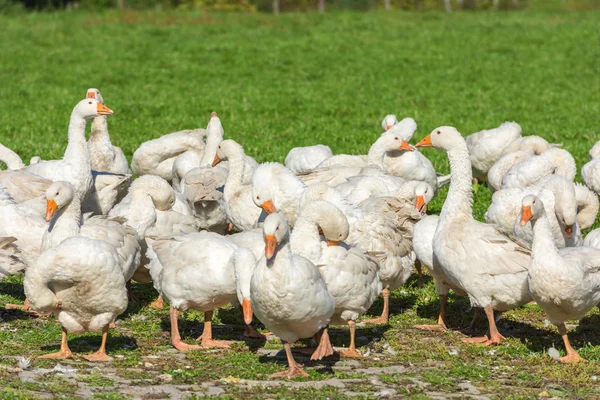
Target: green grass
pixel 296 80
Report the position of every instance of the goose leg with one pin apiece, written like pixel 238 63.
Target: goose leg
pixel 100 355
pixel 471 327
pixel 158 303
pixel 251 333
pixel 572 355
pixel 386 310
pixel 351 352
pixel 295 370
pixel 441 325
pixel 64 351
pixel 494 335
pixel 207 340
pixel 419 268
pixel 175 336
pixel 324 348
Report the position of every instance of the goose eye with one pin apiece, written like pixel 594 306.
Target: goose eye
pixel 257 197
pixel 57 193
pixel 438 132
pixel 534 202
pixel 396 138
pixel 277 228
pixel 89 102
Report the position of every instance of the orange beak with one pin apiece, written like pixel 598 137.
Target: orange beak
pixel 103 110
pixel 247 309
pixel 216 160
pixel 420 203
pixel 51 208
pixel 569 231
pixel 405 146
pixel 91 95
pixel 213 114
pixel 269 207
pixel 426 142
pixel 388 127
pixel 525 215
pixel 332 243
pixel 270 245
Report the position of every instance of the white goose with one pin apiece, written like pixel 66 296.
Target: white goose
pixel 565 283
pixel 536 143
pixel 10 260
pixel 591 171
pixel 198 272
pixel 527 173
pixel 240 208
pixel 587 206
pixel 289 295
pixel 485 147
pixel 475 256
pixel 10 158
pixel 81 282
pixel 561 205
pixel 105 157
pixel 503 165
pixel 75 166
pixel 352 278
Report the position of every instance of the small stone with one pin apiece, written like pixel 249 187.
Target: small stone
pixel 491 352
pixel 391 351
pixel 165 377
pixel 453 352
pixel 215 391
pixel 367 353
pixel 385 393
pixel 552 352
pixel 148 365
pixel 594 378
pixel 543 394
pixel 120 356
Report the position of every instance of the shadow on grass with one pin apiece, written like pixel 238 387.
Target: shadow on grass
pixel 13 289
pixel 15 314
pixel 83 344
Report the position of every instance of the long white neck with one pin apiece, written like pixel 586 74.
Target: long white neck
pixel 282 258
pixel 543 247
pixel 305 239
pixel 65 223
pixel 142 213
pixel 459 202
pixel 235 178
pixel 210 149
pixel 376 153
pixel 76 152
pixel 99 131
pixel 10 158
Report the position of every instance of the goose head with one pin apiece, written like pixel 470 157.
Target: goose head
pixel 532 208
pixel 58 195
pixel 227 148
pixel 330 221
pixel 214 126
pixel 274 186
pixel 442 138
pixel 91 108
pixel 388 122
pixel 392 141
pixel 276 231
pixel 93 93
pixel 244 264
pixel 423 195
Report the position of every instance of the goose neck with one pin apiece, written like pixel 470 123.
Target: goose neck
pixel 543 246
pixel 376 153
pixel 65 223
pixel 459 202
pixel 77 152
pixel 99 132
pixel 305 239
pixel 235 178
pixel 210 149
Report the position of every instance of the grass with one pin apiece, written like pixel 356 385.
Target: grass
pixel 291 81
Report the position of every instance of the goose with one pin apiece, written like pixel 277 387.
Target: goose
pixel 592 239
pixel 10 260
pixel 75 166
pixel 476 258
pixel 376 187
pixel 26 187
pixel 554 161
pixel 335 174
pixel 65 221
pixel 560 199
pixel 565 283
pixel 157 156
pixel 80 281
pixel 197 273
pixel 107 190
pixel 289 295
pixel 148 209
pixel 105 156
pixel 11 159
pixel 305 159
pixel 485 147
pixel 389 121
pixel 239 207
pixel 351 276
pixel 590 171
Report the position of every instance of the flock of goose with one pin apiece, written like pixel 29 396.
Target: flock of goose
pixel 301 245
